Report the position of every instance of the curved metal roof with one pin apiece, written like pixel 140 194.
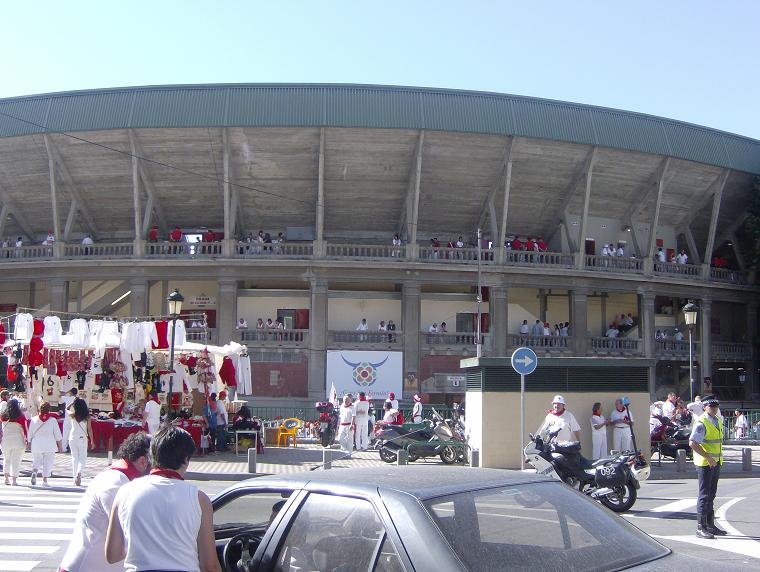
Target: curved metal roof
pixel 369 106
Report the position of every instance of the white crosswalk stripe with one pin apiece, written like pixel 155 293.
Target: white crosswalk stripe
pixel 35 527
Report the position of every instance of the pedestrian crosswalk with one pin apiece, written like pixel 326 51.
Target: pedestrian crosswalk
pixel 35 526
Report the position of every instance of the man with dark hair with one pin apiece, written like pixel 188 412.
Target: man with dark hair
pixel 144 506
pixel 87 547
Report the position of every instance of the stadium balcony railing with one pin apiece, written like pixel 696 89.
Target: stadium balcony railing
pixel 341 251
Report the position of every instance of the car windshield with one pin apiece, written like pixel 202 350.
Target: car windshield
pixel 538 526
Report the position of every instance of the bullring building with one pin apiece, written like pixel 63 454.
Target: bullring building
pixel 369 200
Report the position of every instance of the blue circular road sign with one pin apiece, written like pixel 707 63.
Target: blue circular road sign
pixel 524 361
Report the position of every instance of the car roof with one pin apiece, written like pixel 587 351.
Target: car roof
pixel 419 481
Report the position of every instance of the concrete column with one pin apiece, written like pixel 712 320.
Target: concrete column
pixel 603 312
pixel 646 333
pixel 705 350
pixel 318 339
pixel 138 248
pixel 226 311
pixel 542 303
pixel 579 322
pixel 138 299
pixel 411 326
pixel 751 383
pixel 59 295
pixel 498 308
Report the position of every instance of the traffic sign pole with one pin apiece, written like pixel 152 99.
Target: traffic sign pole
pixel 522 421
pixel 524 362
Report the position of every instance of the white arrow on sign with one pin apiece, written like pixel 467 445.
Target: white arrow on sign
pixel 525 360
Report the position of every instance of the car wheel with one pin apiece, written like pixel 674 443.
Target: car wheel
pixel 387 455
pixel 448 455
pixel 622 499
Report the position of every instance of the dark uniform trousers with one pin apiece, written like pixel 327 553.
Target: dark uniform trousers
pixel 708 488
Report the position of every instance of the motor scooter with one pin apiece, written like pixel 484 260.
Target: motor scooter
pixel 432 438
pixel 328 422
pixel 669 437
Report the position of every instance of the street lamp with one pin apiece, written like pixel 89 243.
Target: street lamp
pixel 690 317
pixel 175 300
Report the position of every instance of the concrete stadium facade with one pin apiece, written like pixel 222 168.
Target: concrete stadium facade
pixel 340 170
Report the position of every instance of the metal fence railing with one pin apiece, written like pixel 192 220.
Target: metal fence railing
pixel 274 414
pixel 753 421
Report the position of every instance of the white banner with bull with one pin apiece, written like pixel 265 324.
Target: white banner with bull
pixel 374 373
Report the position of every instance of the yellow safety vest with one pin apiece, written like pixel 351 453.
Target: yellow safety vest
pixel 712 443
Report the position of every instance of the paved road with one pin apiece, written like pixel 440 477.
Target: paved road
pixel 36 523
pixel 667 510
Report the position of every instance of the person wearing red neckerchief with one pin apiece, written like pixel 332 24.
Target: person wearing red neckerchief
pixel 622 420
pixel 143 506
pixel 561 421
pixel 14 439
pixel 86 550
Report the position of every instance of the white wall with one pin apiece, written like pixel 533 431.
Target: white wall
pixel 446 311
pixel 608 230
pixel 346 313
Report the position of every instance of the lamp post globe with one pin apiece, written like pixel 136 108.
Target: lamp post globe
pixel 690 317
pixel 174 300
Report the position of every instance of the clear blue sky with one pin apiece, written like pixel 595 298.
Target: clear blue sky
pixel 693 60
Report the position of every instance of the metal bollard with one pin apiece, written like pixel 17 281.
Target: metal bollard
pixel 252 460
pixel 681 461
pixel 474 457
pixel 747 459
pixel 326 459
pixel 402 457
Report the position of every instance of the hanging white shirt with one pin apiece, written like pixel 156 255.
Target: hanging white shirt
pixel 53 330
pixel 243 369
pixel 23 327
pixel 180 335
pixel 79 332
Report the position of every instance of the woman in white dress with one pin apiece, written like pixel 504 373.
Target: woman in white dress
pixel 598 432
pixel 80 437
pixel 45 440
pixel 14 441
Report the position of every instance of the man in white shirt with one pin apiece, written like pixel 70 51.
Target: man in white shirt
pixel 612 332
pixel 433 329
pixel 622 420
pixel 537 330
pixel 677 335
pixel 660 255
pixel 86 550
pixel 346 421
pixel 361 409
pixel 669 406
pixel 152 413
pixel 392 400
pixel 242 324
pixel 362 327
pixel 562 422
pixel 524 328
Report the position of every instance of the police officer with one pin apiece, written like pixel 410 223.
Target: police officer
pixel 706 441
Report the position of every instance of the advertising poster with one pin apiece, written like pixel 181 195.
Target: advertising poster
pixel 374 373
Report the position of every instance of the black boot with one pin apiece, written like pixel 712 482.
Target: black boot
pixel 702 531
pixel 712 528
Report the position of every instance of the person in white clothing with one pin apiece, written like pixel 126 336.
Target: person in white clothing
pixel 14 439
pixel 68 400
pixel 361 409
pixel 740 425
pixel 362 327
pixel 392 399
pixel 598 432
pixel 669 406
pixel 152 413
pixel 143 506
pixel 45 440
pixel 622 421
pixel 562 422
pixel 346 421
pixel 417 409
pixel 86 549
pixel 80 438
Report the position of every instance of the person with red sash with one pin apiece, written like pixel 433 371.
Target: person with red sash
pixel 144 506
pixel 86 550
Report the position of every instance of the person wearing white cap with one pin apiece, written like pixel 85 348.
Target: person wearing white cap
pixel 560 421
pixel 417 409
pixel 361 409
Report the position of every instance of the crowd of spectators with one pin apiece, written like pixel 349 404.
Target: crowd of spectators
pixel 675 335
pixel 541 329
pixel 382 326
pixel 619 326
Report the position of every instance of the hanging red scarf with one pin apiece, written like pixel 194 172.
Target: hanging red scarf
pixel 167 473
pixel 44 416
pixel 126 468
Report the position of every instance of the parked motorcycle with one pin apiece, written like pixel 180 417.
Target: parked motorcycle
pixel 328 422
pixel 669 437
pixel 613 481
pixel 438 437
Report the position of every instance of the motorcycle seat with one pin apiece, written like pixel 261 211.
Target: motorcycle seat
pixel 602 461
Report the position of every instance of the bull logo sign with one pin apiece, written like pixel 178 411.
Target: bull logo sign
pixel 364 373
